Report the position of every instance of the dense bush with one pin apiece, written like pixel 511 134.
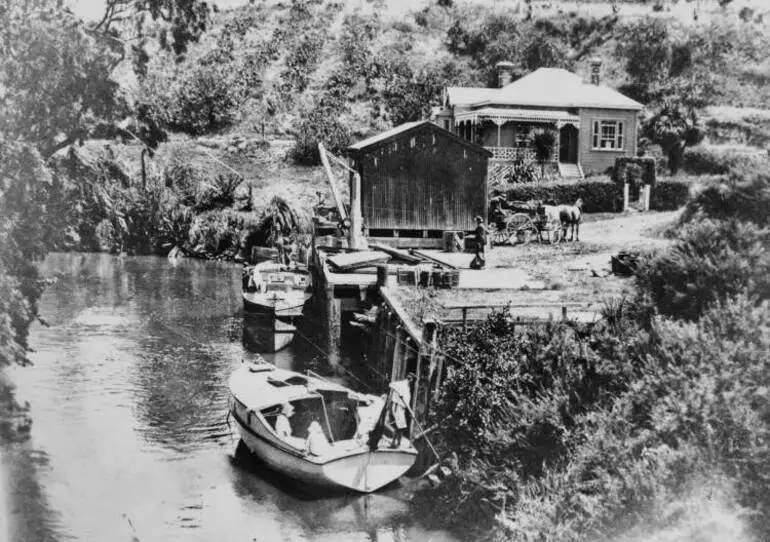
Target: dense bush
pixel 710 261
pixel 669 195
pixel 320 125
pixel 597 196
pixel 218 191
pixel 573 434
pixel 743 195
pixel 217 234
pixel 703 160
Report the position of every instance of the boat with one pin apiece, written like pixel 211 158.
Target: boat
pixel 266 333
pixel 276 289
pixel 357 454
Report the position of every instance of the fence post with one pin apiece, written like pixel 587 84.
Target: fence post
pixel 647 190
pixel 625 197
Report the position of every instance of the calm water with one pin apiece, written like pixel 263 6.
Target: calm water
pixel 128 396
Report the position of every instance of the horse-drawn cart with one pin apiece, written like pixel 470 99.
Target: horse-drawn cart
pixel 513 222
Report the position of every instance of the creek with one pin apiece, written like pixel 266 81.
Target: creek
pixel 128 397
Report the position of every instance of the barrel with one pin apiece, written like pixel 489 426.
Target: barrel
pixel 453 240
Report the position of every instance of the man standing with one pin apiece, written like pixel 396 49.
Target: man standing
pixel 481 244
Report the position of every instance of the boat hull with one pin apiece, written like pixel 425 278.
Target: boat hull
pixel 267 333
pixel 288 304
pixel 361 470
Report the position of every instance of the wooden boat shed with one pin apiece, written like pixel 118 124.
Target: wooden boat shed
pixel 419 180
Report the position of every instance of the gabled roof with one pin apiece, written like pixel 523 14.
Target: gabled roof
pixel 403 129
pixel 546 87
pixel 396 130
pixel 468 95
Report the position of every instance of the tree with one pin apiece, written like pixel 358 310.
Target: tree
pixel 181 22
pixel 674 127
pixel 55 77
pixel 646 48
pixel 24 185
pixel 544 52
pixel 544 141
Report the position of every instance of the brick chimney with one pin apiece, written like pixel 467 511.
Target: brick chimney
pixel 504 73
pixel 596 71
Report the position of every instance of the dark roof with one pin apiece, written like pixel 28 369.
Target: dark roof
pixel 404 129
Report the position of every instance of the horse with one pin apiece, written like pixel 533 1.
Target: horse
pixel 561 217
pixel 571 216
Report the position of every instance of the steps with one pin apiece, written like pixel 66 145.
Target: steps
pixel 571 171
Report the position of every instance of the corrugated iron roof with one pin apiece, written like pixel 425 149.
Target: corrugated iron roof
pixel 546 87
pixel 409 126
pixel 386 134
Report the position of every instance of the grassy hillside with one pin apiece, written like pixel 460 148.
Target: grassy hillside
pixel 269 64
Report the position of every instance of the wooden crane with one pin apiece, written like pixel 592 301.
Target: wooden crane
pixel 353 220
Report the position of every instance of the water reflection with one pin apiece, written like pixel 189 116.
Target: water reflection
pixel 128 397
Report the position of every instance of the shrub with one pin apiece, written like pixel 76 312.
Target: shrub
pixel 710 261
pixel 320 125
pixel 203 100
pixel 185 180
pixel 669 195
pixel 216 233
pixel 744 195
pixel 218 192
pixel 704 160
pixel 598 196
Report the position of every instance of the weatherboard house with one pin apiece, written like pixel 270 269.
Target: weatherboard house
pixel 595 123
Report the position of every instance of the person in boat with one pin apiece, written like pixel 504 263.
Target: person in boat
pixel 281 248
pixel 367 415
pixel 317 443
pixel 282 423
pixel 256 282
pixel 399 403
pixel 304 251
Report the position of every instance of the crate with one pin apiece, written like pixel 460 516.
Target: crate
pixel 407 276
pixel 450 279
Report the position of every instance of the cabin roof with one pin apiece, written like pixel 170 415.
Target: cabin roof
pixel 254 390
pixel 406 128
pixel 545 87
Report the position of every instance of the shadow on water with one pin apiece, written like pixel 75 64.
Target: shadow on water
pixel 320 509
pixel 28 514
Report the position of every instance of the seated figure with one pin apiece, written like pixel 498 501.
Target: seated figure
pixel 317 443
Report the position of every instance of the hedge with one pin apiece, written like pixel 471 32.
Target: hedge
pixel 669 195
pixel 645 164
pixel 598 196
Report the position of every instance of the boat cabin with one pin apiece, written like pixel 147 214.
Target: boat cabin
pixel 275 278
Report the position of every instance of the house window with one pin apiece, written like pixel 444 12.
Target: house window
pixel 608 135
pixel 446 124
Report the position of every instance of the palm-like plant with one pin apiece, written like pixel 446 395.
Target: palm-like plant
pixel 278 219
pixel 544 142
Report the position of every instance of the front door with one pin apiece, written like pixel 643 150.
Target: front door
pixel 568 144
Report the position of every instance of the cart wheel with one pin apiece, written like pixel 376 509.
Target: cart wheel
pixel 520 223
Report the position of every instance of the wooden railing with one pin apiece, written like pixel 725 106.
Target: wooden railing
pixel 462 314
